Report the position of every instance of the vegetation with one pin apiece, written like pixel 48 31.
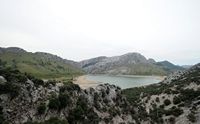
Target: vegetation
pixel 13 80
pixel 182 98
pixel 53 120
pixel 2 119
pixel 41 108
pixel 167 102
pixel 83 113
pixel 54 103
pixel 146 69
pixel 191 117
pixel 60 102
pixel 176 100
pixel 64 100
pixel 41 65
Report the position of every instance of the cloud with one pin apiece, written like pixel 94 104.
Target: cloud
pixel 83 29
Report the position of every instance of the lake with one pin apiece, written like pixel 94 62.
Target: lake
pixel 123 81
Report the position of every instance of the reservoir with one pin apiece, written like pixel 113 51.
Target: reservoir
pixel 123 81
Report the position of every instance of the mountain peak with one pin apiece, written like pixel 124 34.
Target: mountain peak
pixel 12 49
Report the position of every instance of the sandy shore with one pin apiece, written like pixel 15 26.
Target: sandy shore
pixel 84 83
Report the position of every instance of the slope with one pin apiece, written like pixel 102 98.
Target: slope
pixel 43 65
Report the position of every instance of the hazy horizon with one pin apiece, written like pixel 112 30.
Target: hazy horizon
pixel 78 30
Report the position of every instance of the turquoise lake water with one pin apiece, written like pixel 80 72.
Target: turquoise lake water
pixel 125 81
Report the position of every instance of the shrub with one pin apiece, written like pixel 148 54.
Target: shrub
pixel 76 114
pixel 10 88
pixel 60 102
pixel 41 108
pixel 55 121
pixel 176 112
pixel 191 117
pixel 2 119
pixel 176 100
pixel 167 102
pixel 64 100
pixel 38 82
pixel 52 120
pixel 157 99
pixel 70 87
pixel 54 103
pixel 172 120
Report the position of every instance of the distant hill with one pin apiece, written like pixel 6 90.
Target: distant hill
pixel 168 66
pixel 130 63
pixel 186 66
pixel 39 64
pixel 46 65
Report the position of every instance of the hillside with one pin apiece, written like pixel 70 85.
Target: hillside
pixel 174 100
pixel 167 66
pixel 39 64
pixel 130 63
pixel 28 100
pixel 25 99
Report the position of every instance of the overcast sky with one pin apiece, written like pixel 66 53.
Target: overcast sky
pixel 77 30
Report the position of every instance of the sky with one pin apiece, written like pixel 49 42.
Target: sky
pixel 83 29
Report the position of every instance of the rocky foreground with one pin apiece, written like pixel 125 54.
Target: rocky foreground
pixel 25 99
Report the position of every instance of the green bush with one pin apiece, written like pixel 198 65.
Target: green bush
pixel 64 100
pixel 55 121
pixel 176 100
pixel 191 117
pixel 157 99
pixel 10 88
pixel 82 113
pixel 54 103
pixel 167 102
pixel 2 119
pixel 41 108
pixel 176 111
pixel 172 120
pixel 70 87
pixel 60 102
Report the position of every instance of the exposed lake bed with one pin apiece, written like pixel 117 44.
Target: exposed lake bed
pixel 123 81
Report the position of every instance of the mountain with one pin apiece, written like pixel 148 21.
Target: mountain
pixel 169 66
pixel 130 63
pixel 46 65
pixel 186 66
pixel 39 64
pixel 25 99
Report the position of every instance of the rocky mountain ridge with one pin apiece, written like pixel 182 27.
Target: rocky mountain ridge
pixel 130 63
pixel 47 65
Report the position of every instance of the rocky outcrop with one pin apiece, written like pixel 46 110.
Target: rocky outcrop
pixel 33 100
pixel 130 63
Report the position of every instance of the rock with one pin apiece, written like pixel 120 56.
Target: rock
pixel 2 80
